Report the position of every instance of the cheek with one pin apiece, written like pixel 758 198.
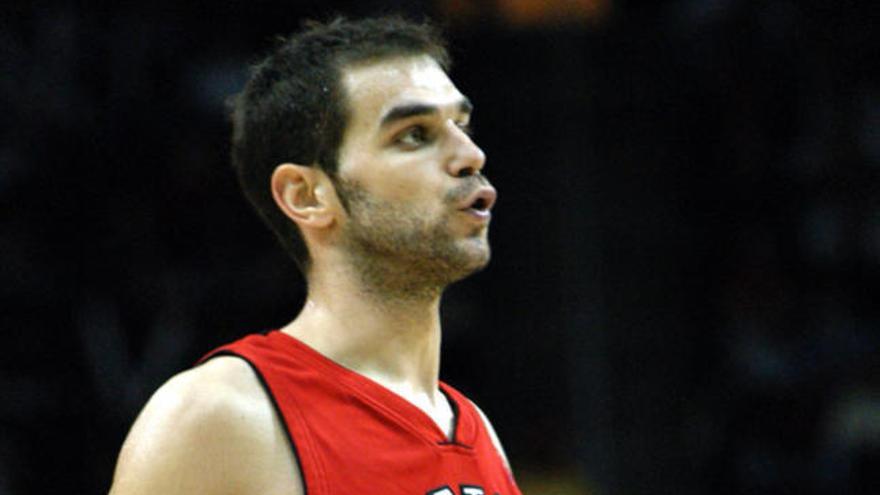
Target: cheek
pixel 410 185
pixel 411 181
pixel 407 191
pixel 420 197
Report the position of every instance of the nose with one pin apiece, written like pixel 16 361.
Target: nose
pixel 467 158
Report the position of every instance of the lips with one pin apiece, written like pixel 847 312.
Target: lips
pixel 480 201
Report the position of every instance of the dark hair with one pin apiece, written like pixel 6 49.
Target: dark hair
pixel 294 108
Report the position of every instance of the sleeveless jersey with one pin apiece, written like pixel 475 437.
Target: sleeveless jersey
pixel 351 435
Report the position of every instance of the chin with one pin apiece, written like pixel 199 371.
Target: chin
pixel 483 258
pixel 475 259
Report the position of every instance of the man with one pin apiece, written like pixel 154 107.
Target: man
pixel 353 144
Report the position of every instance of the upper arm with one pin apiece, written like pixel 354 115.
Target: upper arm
pixel 211 431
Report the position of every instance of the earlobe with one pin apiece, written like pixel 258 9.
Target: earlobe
pixel 298 192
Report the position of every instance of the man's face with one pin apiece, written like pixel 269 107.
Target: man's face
pixel 409 172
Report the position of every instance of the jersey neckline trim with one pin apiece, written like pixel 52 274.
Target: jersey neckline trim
pixel 386 399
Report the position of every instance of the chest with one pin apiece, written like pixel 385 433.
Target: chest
pixel 357 443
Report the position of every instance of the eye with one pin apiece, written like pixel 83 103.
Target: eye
pixel 466 127
pixel 413 137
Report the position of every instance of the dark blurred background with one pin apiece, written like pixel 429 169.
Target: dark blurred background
pixel 683 295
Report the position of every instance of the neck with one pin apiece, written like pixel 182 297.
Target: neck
pixel 390 334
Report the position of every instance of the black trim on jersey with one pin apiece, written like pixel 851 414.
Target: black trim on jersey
pixel 456 414
pixel 275 406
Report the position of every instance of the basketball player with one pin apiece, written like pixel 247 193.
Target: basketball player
pixel 352 143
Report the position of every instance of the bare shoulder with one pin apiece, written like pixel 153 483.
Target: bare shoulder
pixel 208 430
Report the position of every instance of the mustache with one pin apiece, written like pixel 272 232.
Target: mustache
pixel 466 188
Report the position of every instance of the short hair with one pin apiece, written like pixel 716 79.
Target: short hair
pixel 294 107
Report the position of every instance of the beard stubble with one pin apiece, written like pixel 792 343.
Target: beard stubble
pixel 406 250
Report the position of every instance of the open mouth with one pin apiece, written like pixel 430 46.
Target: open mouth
pixel 480 202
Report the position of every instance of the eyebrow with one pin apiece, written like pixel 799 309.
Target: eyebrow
pixel 415 109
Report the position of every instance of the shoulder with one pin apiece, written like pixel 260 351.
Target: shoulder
pixel 494 436
pixel 210 430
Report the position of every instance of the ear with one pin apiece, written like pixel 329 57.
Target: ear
pixel 304 194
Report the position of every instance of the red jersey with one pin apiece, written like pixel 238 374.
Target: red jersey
pixel 353 436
